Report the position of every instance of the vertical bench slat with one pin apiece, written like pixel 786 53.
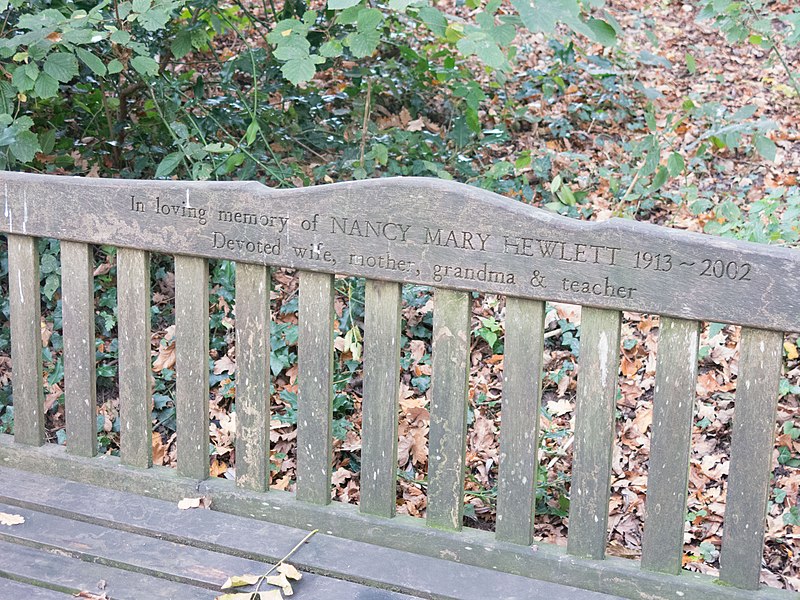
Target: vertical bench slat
pixel 252 376
pixel 191 364
pixel 594 432
pixel 381 397
pixel 135 388
pixel 519 437
pixel 26 340
pixel 315 398
pixel 80 391
pixel 752 443
pixel 449 392
pixel 668 472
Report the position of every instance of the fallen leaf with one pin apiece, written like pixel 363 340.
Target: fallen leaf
pixel 791 350
pixel 9 519
pixel 290 571
pixel 240 580
pixel 188 503
pixel 283 583
pixel 558 408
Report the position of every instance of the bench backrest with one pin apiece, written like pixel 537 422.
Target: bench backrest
pixel 453 237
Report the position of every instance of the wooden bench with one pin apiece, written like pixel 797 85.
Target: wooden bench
pixel 117 515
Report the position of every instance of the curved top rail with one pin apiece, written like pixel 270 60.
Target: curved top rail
pixel 423 231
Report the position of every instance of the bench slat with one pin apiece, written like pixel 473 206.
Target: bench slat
pixel 594 432
pixel 26 340
pixel 80 390
pixel 315 397
pixel 519 437
pixel 252 376
pixel 673 404
pixel 381 397
pixel 448 425
pixel 191 364
pixel 752 442
pixel 133 326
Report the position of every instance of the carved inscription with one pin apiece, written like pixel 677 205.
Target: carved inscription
pixel 425 232
pixel 545 262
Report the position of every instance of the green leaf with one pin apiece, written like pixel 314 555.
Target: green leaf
pixel 434 20
pixel 546 14
pixel 363 43
pixel 380 153
pixel 182 44
pixel 675 164
pixel 25 146
pixel 331 49
pixel 660 179
pixel 765 147
pixel 50 286
pixel 691 64
pixel 219 148
pixel 45 86
pixel 301 70
pixel 145 65
pixel 368 19
pixel 47 140
pixel 603 32
pixel 61 66
pixel 48 264
pixel 114 67
pixel 252 132
pixel 169 164
pixel 341 4
pixel 401 5
pixel 91 61
pixel 140 6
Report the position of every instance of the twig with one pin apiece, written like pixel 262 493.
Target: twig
pixel 263 578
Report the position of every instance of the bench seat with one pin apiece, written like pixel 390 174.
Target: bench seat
pixel 76 534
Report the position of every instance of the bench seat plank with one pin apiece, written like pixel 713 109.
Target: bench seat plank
pixel 73 575
pixel 80 388
pixel 668 471
pixel 191 364
pixel 315 388
pixel 595 406
pixel 17 590
pixel 519 436
pixel 133 327
pixel 381 397
pixel 449 393
pixel 163 559
pixel 752 443
pixel 261 541
pixel 252 376
pixel 26 339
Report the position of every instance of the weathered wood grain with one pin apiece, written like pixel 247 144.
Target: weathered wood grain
pixel 448 243
pixel 26 339
pixel 752 443
pixel 379 406
pixel 135 379
pixel 545 562
pixel 519 436
pixel 315 388
pixel 595 405
pixel 449 397
pixel 668 470
pixel 191 365
pixel 252 376
pixel 80 386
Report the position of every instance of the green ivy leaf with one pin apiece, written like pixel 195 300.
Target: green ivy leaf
pixel 145 65
pixel 45 86
pixel 91 61
pixel 61 66
pixel 169 164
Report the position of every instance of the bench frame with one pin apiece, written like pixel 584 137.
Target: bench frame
pixel 395 231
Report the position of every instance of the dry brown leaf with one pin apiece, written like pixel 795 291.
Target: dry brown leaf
pixel 290 571
pixel 281 582
pixel 240 580
pixel 9 519
pixel 187 503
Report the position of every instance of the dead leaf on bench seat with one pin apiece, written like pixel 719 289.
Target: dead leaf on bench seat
pixel 188 503
pixel 281 582
pixel 9 519
pixel 290 571
pixel 240 580
pixel 270 595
